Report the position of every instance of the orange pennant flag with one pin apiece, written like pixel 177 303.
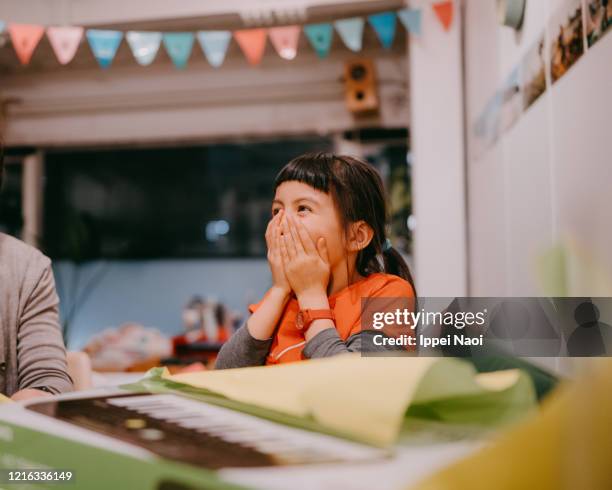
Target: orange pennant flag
pixel 253 43
pixel 285 40
pixel 444 11
pixel 25 38
pixel 65 42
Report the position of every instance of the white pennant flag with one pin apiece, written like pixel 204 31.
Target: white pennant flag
pixel 144 45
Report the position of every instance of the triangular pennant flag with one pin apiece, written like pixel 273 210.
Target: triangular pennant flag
pixel 351 32
pixel 65 42
pixel 25 38
pixel 253 44
pixel 104 45
pixel 285 40
pixel 411 18
pixel 384 26
pixel 144 45
pixel 444 11
pixel 320 37
pixel 179 46
pixel 214 44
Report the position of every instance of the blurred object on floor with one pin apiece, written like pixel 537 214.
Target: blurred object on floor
pixel 208 323
pixel 117 349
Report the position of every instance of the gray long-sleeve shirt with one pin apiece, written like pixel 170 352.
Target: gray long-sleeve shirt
pixel 243 350
pixel 32 352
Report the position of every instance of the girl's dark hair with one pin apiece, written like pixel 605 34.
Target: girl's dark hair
pixel 357 190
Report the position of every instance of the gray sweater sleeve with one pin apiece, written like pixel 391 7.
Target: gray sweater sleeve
pixel 41 353
pixel 243 350
pixel 328 343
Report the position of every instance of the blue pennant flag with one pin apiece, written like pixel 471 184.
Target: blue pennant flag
pixel 214 44
pixel 179 45
pixel 320 37
pixel 104 45
pixel 351 32
pixel 384 25
pixel 144 45
pixel 411 18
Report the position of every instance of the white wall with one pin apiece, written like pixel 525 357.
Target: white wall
pixel 546 183
pixel 438 160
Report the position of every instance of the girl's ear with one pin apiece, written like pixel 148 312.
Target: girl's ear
pixel 360 236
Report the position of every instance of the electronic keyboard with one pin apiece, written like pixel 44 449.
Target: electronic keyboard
pixel 201 434
pixel 114 439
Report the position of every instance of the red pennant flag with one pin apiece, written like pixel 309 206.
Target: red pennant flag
pixel 65 42
pixel 25 38
pixel 444 11
pixel 285 40
pixel 253 43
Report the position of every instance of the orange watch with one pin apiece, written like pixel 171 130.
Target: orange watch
pixel 305 318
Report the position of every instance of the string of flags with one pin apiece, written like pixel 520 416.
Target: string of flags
pixel 214 43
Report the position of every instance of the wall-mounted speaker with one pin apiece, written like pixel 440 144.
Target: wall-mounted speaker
pixel 361 91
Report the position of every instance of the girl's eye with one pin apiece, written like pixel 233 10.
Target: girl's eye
pixel 275 211
pixel 303 209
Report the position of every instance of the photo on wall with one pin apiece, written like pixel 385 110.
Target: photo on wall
pixel 512 99
pixel 534 73
pixel 566 38
pixel 598 19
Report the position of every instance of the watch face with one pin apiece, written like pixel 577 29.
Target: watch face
pixel 299 320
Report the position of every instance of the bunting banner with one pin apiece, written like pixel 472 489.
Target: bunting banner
pixel 320 37
pixel 411 20
pixel 65 41
pixel 178 46
pixel 104 45
pixel 444 12
pixel 285 40
pixel 253 44
pixel 384 26
pixel 25 38
pixel 144 45
pixel 351 32
pixel 214 45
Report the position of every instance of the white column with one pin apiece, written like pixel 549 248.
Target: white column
pixel 438 186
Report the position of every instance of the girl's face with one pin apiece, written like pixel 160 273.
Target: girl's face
pixel 317 211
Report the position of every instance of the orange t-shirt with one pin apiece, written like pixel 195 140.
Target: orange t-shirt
pixel 288 342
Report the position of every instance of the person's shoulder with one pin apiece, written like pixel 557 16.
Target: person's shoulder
pixel 21 257
pixel 390 285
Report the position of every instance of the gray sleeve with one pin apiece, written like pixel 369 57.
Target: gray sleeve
pixel 243 350
pixel 41 355
pixel 328 343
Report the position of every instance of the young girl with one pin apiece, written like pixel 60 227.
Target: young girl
pixel 327 250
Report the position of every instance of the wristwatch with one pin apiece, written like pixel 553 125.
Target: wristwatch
pixel 305 317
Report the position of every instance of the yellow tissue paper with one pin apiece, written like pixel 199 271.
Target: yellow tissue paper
pixel 565 446
pixel 366 397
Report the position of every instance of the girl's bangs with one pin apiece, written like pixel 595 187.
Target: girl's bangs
pixel 314 170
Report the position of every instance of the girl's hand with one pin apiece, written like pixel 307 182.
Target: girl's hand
pixel 306 264
pixel 275 260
